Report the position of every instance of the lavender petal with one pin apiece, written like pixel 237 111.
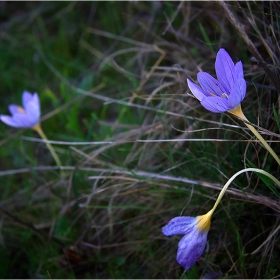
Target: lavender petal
pixel 26 98
pixel 33 113
pixel 191 247
pixel 210 84
pixel 14 108
pixel 197 91
pixel 237 93
pixel 224 69
pixel 238 71
pixel 179 225
pixel 215 104
pixel 9 121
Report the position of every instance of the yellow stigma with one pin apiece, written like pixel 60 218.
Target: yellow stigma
pixel 204 221
pixel 21 110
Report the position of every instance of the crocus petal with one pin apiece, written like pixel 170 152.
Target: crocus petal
pixel 191 247
pixel 224 69
pixel 9 121
pixel 238 71
pixel 26 98
pixel 22 120
pixel 179 225
pixel 215 104
pixel 14 109
pixel 197 91
pixel 32 114
pixel 237 93
pixel 210 84
pixel 36 101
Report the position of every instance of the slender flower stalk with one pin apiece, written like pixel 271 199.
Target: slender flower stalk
pixel 195 229
pixel 28 116
pixel 257 170
pixel 238 112
pixel 40 131
pixel 225 93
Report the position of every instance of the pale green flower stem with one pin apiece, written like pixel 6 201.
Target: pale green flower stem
pixel 238 112
pixel 40 131
pixel 204 221
pixel 210 213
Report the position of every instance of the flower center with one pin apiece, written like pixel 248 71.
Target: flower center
pixel 224 95
pixel 21 110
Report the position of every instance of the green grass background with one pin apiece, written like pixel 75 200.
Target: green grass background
pixel 116 72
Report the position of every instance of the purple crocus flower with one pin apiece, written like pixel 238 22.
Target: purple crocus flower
pixel 224 94
pixel 27 116
pixel 193 243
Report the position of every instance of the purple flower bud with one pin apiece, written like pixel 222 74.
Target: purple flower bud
pixel 27 116
pixel 224 94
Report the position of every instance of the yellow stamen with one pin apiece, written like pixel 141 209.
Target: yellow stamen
pixel 204 221
pixel 212 93
pixel 21 110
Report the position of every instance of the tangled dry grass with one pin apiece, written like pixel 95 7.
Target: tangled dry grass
pixel 155 153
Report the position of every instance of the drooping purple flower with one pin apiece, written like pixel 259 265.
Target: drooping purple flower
pixel 27 116
pixel 193 243
pixel 226 92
